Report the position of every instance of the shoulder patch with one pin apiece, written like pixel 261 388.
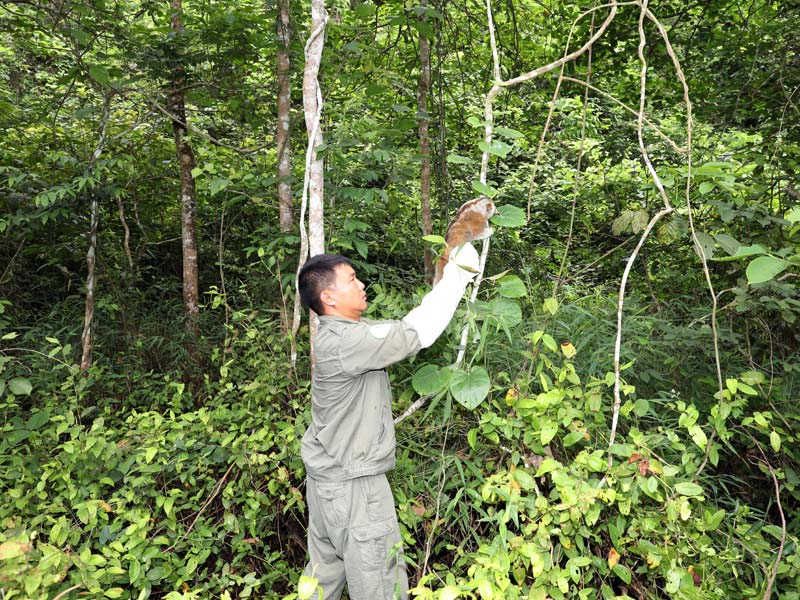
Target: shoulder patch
pixel 380 331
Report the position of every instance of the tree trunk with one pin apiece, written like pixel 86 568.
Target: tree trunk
pixel 312 106
pixel 87 337
pixel 188 194
pixel 425 141
pixel 284 108
pixel 314 242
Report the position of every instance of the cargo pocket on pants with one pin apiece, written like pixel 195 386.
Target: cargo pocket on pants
pixel 374 542
pixel 334 500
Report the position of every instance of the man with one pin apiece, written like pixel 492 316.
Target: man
pixel 353 535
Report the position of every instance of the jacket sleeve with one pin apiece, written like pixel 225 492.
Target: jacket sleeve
pixel 368 346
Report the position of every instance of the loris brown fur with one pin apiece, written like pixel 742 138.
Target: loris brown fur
pixel 470 223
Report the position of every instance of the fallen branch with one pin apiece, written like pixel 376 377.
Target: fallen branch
pixel 214 493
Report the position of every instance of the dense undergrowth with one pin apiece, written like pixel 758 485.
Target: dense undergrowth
pixel 132 484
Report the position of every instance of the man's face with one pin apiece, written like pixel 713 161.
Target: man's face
pixel 346 298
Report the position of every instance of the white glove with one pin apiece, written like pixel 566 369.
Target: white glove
pixel 439 305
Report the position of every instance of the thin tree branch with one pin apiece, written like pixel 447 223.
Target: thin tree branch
pixel 214 492
pixel 618 342
pixel 572 56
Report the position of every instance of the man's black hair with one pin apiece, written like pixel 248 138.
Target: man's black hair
pixel 318 274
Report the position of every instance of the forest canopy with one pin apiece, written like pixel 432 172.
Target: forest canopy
pixel 612 413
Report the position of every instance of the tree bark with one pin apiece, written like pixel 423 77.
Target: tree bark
pixel 284 109
pixel 188 195
pixel 313 242
pixel 312 106
pixel 425 141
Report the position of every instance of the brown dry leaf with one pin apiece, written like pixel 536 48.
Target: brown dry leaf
pixel 613 558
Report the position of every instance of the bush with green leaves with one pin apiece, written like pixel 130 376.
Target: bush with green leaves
pixel 560 514
pixel 129 503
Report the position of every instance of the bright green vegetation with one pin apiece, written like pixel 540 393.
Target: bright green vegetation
pixel 170 473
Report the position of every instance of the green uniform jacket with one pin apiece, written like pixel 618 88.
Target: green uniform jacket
pixel 352 430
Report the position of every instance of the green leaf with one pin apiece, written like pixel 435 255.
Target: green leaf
pixel 572 438
pixel 687 488
pixel 469 388
pixel 775 441
pixel 450 592
pixel 551 305
pixel 38 419
pixel 511 286
pixel 698 436
pixel 765 268
pixel 484 189
pixel 99 74
pixel 306 586
pixel 705 187
pixel 622 572
pixel 430 379
pixel 744 252
pixel 524 479
pixel 706 243
pixel 639 220
pixel 218 184
pixel 9 336
pixel 434 239
pixel 496 148
pixel 509 216
pixel 459 160
pixel 509 133
pixel 728 243
pixel 753 377
pixel 19 386
pixel 548 341
pixel 548 432
pixel 12 549
pixel 548 465
pixel 472 437
pixel 80 36
pixel 505 311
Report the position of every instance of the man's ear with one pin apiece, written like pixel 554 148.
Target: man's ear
pixel 326 298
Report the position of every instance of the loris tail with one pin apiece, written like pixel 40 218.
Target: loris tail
pixel 470 223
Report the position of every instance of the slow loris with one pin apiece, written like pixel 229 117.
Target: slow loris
pixel 470 223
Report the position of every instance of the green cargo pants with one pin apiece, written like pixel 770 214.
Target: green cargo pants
pixel 353 538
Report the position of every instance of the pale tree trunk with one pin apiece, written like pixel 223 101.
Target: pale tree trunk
pixel 188 195
pixel 425 141
pixel 312 106
pixel 284 108
pixel 87 337
pixel 313 242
